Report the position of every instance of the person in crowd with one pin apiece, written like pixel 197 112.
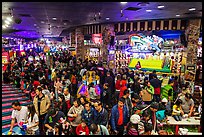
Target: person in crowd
pixel 150 89
pixel 91 90
pixel 42 104
pixel 118 86
pixel 145 119
pixel 96 129
pixel 32 121
pixel 176 89
pixel 100 114
pixel 132 126
pixel 167 91
pixel 68 98
pixel 128 102
pixel 19 114
pixel 111 82
pixel 74 113
pixel 46 91
pixel 106 96
pixel 87 113
pixel 119 117
pixel 152 110
pixel 177 111
pixel 62 105
pixel 58 85
pixel 137 86
pixel 187 104
pixel 52 117
pixel 151 74
pixel 74 83
pixel 136 102
pixel 156 83
pixel 148 129
pixel 123 84
pixel 82 128
pixel 82 100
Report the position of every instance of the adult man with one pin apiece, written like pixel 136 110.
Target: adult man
pixel 87 113
pixel 100 114
pixel 128 102
pixel 20 113
pixel 119 114
pixel 156 83
pixel 187 104
pixel 42 104
pixel 52 118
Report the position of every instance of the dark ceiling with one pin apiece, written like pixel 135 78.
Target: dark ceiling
pixel 37 17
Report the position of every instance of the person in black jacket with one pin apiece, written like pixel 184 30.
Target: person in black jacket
pixel 100 114
pixel 128 102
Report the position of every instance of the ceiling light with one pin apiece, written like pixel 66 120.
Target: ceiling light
pixel 160 7
pixel 3 26
pixel 42 22
pixel 126 18
pixel 148 10
pixel 35 24
pixel 178 15
pixel 192 9
pixel 123 2
pixel 9 18
pixel 107 18
pixel 54 18
pixel 7 22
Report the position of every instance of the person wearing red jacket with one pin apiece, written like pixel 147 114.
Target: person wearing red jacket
pixel 82 129
pixel 123 84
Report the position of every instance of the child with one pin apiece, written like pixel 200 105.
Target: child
pixel 82 129
pixel 177 111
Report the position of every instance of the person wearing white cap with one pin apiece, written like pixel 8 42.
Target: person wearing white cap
pixel 132 126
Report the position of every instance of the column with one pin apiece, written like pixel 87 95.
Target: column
pixel 192 34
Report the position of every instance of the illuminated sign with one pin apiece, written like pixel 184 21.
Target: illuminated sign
pixel 142 42
pixel 97 38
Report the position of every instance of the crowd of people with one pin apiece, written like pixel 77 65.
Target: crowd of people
pixel 128 104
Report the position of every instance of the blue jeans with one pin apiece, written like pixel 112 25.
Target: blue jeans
pixel 37 132
pixel 177 118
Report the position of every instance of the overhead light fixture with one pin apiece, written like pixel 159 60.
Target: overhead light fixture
pixel 4 27
pixel 99 15
pixel 160 7
pixel 123 2
pixel 9 18
pixel 42 22
pixel 35 24
pixel 107 18
pixel 7 22
pixel 54 18
pixel 126 18
pixel 177 15
pixel 192 9
pixel 148 10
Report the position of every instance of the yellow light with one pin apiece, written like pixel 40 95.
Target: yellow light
pixel 4 26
